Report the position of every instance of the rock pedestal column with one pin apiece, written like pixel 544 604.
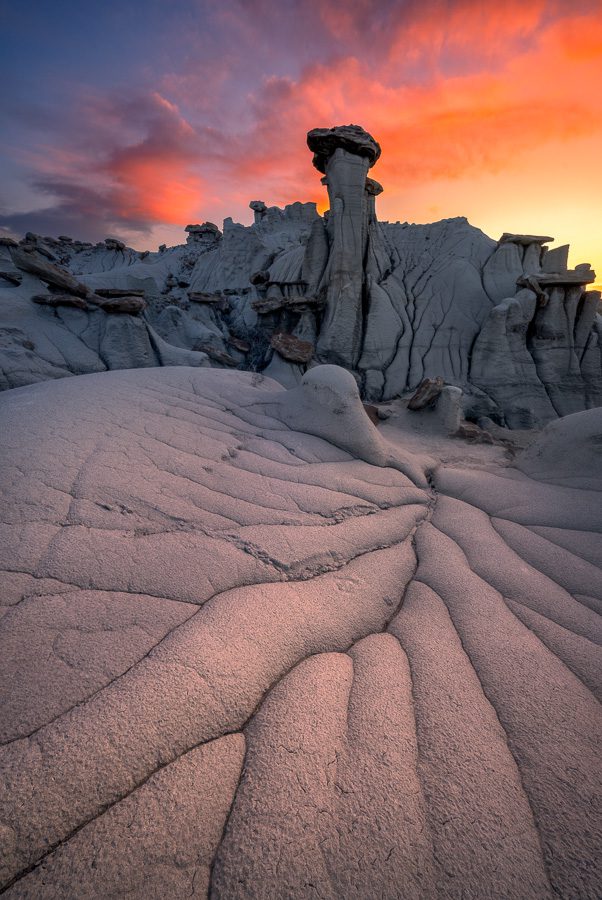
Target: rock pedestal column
pixel 259 210
pixel 344 154
pixel 373 189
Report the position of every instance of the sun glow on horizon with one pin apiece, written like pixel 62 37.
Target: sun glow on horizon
pixel 489 112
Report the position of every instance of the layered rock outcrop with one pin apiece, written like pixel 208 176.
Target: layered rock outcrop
pixel 394 303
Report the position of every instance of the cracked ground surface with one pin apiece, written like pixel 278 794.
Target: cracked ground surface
pixel 238 661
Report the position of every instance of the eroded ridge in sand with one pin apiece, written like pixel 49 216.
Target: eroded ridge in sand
pixel 251 648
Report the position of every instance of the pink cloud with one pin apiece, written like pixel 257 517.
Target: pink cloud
pixel 131 162
pixel 476 121
pixel 449 89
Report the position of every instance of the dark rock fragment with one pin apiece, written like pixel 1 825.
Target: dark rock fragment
pixel 426 393
pixel 13 277
pixel 55 300
pixel 292 348
pixel 30 262
pixel 118 292
pixel 217 355
pixel 239 344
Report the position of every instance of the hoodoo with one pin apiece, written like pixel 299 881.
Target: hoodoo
pixel 344 154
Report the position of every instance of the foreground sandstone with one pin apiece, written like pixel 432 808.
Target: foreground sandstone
pixel 251 648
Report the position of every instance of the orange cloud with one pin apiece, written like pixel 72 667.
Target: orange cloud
pixel 426 30
pixel 154 178
pixel 156 190
pixel 522 120
pixel 452 124
pixel 132 164
pixel 488 110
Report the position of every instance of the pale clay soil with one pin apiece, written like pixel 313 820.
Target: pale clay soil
pixel 253 647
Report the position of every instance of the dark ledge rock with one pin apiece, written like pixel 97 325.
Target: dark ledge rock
pixel 324 141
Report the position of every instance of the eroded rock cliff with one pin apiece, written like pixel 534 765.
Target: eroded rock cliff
pixel 393 303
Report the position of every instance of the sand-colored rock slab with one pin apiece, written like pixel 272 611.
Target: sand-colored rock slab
pixel 158 842
pixel 250 646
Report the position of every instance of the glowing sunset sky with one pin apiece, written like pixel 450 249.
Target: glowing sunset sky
pixel 135 118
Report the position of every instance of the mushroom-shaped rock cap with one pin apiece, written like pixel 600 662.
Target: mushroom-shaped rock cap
pixel 373 187
pixel 205 228
pixel 324 141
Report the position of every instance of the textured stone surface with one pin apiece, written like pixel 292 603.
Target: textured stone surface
pixel 127 303
pixel 250 647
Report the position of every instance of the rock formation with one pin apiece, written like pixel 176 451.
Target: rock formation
pixel 506 322
pixel 344 156
pixel 205 235
pixel 251 647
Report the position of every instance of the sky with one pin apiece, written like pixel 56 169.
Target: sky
pixel 137 117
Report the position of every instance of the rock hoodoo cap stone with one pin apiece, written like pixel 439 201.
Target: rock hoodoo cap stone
pixel 353 138
pixel 374 188
pixel 205 228
pixel 524 239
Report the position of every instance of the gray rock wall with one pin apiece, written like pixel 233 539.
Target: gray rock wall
pixel 393 303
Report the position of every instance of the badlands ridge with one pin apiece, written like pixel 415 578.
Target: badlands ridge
pixel 506 321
